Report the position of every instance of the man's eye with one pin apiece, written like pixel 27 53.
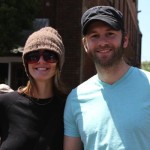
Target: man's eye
pixel 94 36
pixel 110 33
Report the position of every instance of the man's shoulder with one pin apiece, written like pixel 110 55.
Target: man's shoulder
pixel 141 76
pixel 142 72
pixel 91 81
pixel 86 87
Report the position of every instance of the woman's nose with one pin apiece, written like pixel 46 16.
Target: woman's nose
pixel 41 59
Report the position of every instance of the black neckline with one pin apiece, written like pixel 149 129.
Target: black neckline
pixel 41 101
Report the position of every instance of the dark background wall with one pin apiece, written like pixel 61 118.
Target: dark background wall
pixel 65 16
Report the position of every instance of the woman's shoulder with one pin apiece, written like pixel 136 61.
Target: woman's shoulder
pixel 9 98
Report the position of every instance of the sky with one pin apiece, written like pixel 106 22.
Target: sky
pixel 144 24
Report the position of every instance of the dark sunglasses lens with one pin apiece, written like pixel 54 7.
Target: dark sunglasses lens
pixel 32 57
pixel 50 57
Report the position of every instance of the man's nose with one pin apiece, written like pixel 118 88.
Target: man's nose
pixel 103 41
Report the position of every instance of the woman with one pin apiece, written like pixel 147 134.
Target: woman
pixel 32 117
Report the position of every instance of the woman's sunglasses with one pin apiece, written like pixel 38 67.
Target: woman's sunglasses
pixel 48 56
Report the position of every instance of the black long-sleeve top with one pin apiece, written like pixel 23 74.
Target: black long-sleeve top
pixel 30 124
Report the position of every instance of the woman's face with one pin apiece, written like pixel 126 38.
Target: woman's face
pixel 42 65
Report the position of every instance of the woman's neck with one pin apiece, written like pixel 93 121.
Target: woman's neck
pixel 42 90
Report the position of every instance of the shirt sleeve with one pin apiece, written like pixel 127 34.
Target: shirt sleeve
pixel 0 117
pixel 70 125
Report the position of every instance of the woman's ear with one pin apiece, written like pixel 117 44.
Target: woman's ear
pixel 84 42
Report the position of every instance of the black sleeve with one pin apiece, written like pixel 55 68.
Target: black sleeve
pixel 0 114
pixel 2 97
pixel 5 101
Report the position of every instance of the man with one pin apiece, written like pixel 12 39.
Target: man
pixel 111 110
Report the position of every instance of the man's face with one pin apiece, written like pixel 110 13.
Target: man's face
pixel 104 44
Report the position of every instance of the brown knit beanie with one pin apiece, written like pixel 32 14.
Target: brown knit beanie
pixel 45 38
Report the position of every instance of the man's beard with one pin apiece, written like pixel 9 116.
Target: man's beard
pixel 112 60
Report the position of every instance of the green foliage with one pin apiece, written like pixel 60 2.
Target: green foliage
pixel 15 16
pixel 146 65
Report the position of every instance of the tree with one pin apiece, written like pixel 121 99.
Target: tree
pixel 146 65
pixel 15 16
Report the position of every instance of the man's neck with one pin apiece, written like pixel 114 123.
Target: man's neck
pixel 114 73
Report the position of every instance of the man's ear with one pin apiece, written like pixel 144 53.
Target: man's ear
pixel 125 41
pixel 84 42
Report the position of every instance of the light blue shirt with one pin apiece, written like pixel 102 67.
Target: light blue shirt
pixel 111 117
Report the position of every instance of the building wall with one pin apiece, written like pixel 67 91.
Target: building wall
pixel 68 23
pixel 65 16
